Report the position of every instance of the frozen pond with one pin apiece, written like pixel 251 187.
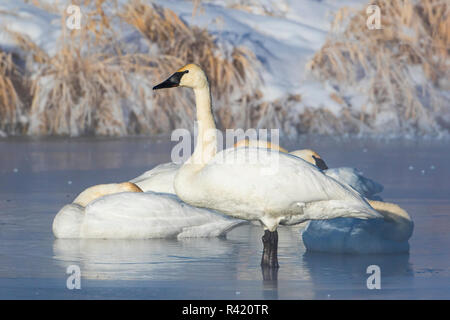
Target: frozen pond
pixel 37 177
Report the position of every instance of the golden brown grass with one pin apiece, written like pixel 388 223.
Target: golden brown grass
pixel 232 75
pixel 78 90
pixel 414 33
pixel 95 84
pixel 13 96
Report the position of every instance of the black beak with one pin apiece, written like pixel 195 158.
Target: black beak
pixel 320 163
pixel 173 81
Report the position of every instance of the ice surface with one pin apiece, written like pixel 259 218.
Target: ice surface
pixel 33 263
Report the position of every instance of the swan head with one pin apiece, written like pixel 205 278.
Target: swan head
pixel 311 156
pixel 191 76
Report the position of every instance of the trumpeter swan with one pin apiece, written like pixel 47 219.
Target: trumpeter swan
pixel 122 211
pixel 241 182
pixel 348 235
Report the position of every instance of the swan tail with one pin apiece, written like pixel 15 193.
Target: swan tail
pixel 330 209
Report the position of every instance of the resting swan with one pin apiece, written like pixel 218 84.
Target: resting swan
pixel 348 235
pixel 255 183
pixel 123 211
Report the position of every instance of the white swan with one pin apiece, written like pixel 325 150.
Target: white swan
pixel 349 235
pixel 121 211
pixel 254 183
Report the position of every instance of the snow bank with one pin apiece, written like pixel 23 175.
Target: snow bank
pixel 284 36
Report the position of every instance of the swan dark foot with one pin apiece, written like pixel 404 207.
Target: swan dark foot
pixel 270 243
pixel 269 274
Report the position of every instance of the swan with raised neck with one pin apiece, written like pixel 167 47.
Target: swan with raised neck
pixel 242 190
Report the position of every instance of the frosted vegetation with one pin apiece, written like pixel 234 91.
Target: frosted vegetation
pixel 300 66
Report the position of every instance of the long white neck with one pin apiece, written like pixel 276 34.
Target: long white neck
pixel 206 147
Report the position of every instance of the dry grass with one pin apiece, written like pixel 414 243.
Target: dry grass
pixel 96 84
pixel 232 73
pixel 414 33
pixel 78 90
pixel 13 97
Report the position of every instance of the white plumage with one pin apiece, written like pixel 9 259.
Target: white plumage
pixel 137 215
pixel 158 179
pixel 262 184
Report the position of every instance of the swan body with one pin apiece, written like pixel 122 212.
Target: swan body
pixel 138 215
pixel 349 235
pixel 298 192
pixel 123 211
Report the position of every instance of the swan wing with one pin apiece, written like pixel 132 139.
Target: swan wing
pixel 261 184
pixel 149 215
pixel 158 179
